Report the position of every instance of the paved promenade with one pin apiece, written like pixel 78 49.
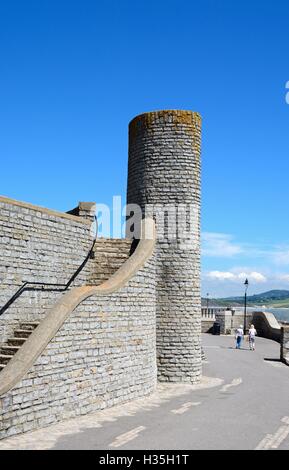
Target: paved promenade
pixel 242 404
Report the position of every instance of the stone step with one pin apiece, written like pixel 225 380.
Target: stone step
pixel 4 359
pixel 2 366
pixel 22 333
pixel 29 325
pixel 16 341
pixel 8 350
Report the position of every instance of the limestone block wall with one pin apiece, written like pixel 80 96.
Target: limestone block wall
pixel 37 244
pixel 225 319
pixel 103 355
pixel 164 170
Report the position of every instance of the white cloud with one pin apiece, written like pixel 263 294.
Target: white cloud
pixel 283 277
pixel 219 245
pixel 252 276
pixel 220 275
pixel 255 276
pixel 231 282
pixel 264 265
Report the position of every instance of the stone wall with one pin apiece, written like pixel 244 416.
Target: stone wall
pixel 229 320
pixel 224 318
pixel 103 355
pixel 284 345
pixel 164 176
pixel 37 244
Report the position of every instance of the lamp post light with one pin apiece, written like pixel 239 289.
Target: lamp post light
pixel 246 284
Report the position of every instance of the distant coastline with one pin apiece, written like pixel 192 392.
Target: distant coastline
pixel 281 314
pixel 274 301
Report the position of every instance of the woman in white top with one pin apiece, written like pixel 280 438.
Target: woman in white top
pixel 252 335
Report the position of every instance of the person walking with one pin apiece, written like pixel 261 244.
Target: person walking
pixel 252 335
pixel 239 336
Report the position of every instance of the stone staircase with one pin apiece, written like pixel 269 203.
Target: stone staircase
pixel 8 349
pixel 110 254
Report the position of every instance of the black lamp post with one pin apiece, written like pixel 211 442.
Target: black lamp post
pixel 246 284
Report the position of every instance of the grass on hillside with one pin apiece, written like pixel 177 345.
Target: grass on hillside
pixel 284 303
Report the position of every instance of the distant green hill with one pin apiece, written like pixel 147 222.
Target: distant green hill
pixel 273 298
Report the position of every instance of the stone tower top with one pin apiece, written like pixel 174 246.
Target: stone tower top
pixel 174 116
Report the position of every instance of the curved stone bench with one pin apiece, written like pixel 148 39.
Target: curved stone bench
pixel 26 356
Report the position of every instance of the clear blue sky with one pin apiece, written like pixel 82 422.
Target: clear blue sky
pixel 73 73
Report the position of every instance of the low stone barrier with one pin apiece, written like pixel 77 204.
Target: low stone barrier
pixel 284 346
pixel 229 320
pixel 266 325
pixel 207 325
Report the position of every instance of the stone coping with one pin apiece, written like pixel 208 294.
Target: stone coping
pixel 44 210
pixel 176 116
pixel 26 356
pixel 269 318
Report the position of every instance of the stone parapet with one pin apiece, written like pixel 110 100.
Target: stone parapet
pixel 85 210
pixel 284 345
pixel 266 325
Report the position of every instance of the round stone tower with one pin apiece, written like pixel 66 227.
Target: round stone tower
pixel 164 180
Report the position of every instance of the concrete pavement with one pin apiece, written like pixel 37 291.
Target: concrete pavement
pixel 244 405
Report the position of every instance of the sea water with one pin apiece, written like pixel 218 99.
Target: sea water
pixel 281 314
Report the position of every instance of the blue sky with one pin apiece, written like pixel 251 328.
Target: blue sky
pixel 73 73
